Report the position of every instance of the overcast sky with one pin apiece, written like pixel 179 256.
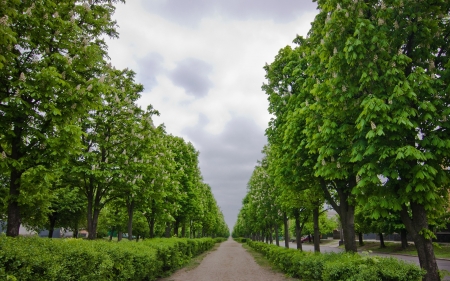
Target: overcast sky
pixel 201 63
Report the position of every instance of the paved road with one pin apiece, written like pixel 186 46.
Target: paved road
pixel 442 264
pixel 230 262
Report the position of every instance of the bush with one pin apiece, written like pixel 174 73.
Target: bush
pixel 337 266
pixel 34 258
pixel 241 239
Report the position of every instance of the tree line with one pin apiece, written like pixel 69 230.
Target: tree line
pixel 360 108
pixel 76 150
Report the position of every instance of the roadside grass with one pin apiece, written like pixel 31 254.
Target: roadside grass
pixel 441 251
pixel 263 262
pixel 323 242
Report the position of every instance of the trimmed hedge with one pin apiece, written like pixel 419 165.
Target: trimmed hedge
pixel 34 258
pixel 337 266
pixel 241 239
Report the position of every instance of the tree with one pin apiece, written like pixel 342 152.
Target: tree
pixel 385 63
pixel 49 52
pixel 109 131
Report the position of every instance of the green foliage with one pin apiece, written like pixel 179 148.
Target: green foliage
pixel 337 266
pixel 76 259
pixel 241 239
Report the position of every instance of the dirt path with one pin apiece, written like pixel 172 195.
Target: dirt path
pixel 230 262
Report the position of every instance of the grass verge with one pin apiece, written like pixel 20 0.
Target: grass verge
pixel 263 262
pixel 395 248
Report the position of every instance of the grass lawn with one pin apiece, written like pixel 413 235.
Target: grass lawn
pixel 263 262
pixel 396 248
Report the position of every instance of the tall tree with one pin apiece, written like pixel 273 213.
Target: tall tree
pixel 50 49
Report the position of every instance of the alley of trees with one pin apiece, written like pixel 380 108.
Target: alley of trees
pixel 76 151
pixel 360 120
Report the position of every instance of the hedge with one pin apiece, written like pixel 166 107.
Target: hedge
pixel 241 239
pixel 34 258
pixel 337 266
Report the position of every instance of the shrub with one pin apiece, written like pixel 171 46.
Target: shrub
pixel 241 239
pixel 34 258
pixel 337 266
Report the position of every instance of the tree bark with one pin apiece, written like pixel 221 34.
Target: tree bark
pixel 130 210
pixel 168 229
pixel 404 239
pixel 316 229
pixel 344 209
pixel 176 225
pixel 94 207
pixel 298 231
pixel 119 235
pixel 277 235
pixel 14 219
pixel 382 245
pixel 286 230
pixel 52 221
pixel 75 230
pixel 270 236
pixel 415 226
pixel 360 237
pixel 151 225
pixel 183 230
pixel 111 234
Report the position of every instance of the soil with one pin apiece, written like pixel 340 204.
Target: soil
pixel 230 262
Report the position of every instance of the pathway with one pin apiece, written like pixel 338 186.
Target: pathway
pixel 230 262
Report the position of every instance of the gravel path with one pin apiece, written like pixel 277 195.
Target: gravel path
pixel 230 262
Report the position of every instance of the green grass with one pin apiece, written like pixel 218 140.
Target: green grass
pixel 396 248
pixel 263 262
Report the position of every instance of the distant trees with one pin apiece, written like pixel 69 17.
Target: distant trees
pixel 73 142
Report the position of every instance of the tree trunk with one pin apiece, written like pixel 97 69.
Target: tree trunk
pixel 52 220
pixel 271 236
pixel 168 229
pixel 360 237
pixel 344 209
pixel 119 235
pixel 183 230
pixel 424 246
pixel 130 209
pixel 75 230
pixel 404 239
pixel 277 235
pixel 111 234
pixel 176 225
pixel 316 229
pixel 381 240
pixel 137 238
pixel 286 230
pixel 298 231
pixel 348 224
pixel 152 227
pixel 14 219
pixel 94 202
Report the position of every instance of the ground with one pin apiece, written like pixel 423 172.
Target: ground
pixel 230 262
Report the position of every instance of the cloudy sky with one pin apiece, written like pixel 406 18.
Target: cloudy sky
pixel 201 62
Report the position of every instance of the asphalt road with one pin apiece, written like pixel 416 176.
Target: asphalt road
pixel 442 264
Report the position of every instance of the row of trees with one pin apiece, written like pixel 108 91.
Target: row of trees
pixel 275 207
pixel 73 142
pixel 360 112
